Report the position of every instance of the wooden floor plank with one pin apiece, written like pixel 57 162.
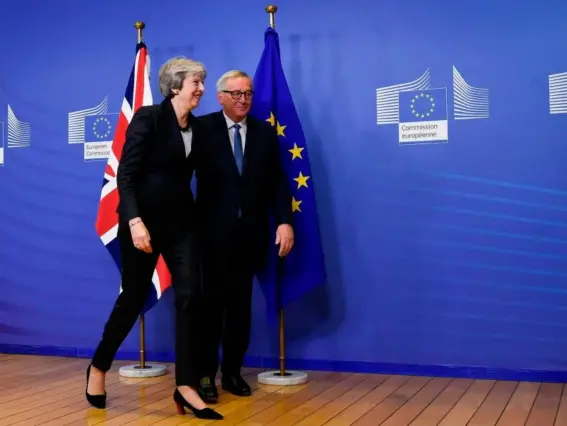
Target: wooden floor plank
pixel 49 391
pixel 327 412
pixel 417 403
pixel 561 419
pixel 244 409
pixel 462 412
pixel 519 407
pixel 546 405
pixel 493 406
pixel 393 402
pixel 435 412
pixel 308 407
pixel 297 399
pixel 368 402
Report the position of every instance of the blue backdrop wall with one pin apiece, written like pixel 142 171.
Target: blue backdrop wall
pixel 442 257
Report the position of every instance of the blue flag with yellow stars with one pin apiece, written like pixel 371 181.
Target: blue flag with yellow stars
pixel 302 269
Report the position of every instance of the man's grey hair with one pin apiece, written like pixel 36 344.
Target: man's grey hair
pixel 175 70
pixel 221 82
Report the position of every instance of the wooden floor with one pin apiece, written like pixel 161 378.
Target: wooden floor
pixel 50 391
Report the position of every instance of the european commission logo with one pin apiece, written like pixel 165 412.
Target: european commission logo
pixel 421 111
pixel 94 128
pixel 18 134
pixel 423 116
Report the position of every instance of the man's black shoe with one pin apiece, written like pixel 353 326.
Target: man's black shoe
pixel 236 385
pixel 207 390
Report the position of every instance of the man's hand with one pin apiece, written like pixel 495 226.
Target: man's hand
pixel 140 235
pixel 284 238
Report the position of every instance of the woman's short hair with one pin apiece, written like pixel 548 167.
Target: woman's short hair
pixel 175 70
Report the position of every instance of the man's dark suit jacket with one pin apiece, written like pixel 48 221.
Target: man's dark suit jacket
pixel 262 188
pixel 154 174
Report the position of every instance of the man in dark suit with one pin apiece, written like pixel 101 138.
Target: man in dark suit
pixel 240 181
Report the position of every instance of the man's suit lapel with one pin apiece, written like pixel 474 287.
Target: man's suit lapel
pixel 225 148
pixel 251 145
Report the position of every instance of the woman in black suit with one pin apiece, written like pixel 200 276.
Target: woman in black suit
pixel 157 216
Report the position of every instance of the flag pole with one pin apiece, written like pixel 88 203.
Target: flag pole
pixel 281 377
pixel 142 370
pixel 139 25
pixel 271 10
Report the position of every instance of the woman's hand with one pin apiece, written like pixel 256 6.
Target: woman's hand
pixel 140 235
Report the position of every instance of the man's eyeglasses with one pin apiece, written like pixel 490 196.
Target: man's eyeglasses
pixel 237 94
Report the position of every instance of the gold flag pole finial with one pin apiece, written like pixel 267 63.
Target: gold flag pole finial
pixel 272 9
pixel 139 25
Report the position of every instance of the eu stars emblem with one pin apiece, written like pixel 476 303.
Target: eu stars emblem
pixel 100 128
pixel 423 116
pixel 422 105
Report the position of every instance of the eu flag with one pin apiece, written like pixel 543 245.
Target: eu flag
pixel 284 281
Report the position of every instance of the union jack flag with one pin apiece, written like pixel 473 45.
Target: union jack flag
pixel 138 93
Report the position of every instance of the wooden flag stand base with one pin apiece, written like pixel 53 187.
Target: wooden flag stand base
pixel 142 370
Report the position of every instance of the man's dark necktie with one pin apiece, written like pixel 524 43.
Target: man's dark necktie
pixel 238 152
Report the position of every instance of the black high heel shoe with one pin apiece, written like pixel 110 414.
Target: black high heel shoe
pixel 205 413
pixel 98 401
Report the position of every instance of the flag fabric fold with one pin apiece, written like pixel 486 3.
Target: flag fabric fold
pixel 285 281
pixel 138 93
